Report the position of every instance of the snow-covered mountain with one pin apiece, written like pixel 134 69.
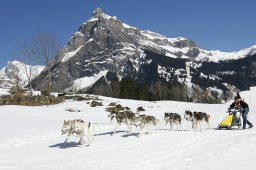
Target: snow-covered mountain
pixel 101 56
pixel 17 71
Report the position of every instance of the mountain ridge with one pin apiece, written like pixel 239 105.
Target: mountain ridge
pixel 168 44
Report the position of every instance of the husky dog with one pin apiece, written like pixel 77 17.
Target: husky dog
pixel 80 128
pixel 114 108
pixel 173 118
pixel 126 117
pixel 197 118
pixel 145 120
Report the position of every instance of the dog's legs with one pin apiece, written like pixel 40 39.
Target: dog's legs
pixel 141 129
pixel 208 125
pixel 129 126
pixel 81 141
pixel 118 124
pixel 170 125
pixel 89 140
pixel 137 127
pixel 68 136
pixel 148 130
pixel 88 137
pixel 200 123
pixel 166 122
pixel 195 125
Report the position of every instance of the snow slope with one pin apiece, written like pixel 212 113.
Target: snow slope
pixel 217 56
pixel 30 138
pixel 85 82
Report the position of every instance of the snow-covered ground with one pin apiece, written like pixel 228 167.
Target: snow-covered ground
pixel 30 138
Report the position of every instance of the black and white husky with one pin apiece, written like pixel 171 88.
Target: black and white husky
pixel 80 128
pixel 197 118
pixel 127 117
pixel 173 118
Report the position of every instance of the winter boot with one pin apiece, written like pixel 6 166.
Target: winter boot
pixel 250 126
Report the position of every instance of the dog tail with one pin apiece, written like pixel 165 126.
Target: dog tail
pixel 156 122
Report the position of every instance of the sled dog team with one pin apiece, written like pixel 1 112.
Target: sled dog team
pixel 80 128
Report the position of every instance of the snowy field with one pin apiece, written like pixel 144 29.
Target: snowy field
pixel 31 138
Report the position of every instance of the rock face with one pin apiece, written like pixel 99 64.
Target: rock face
pixel 105 51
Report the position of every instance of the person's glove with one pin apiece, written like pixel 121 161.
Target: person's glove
pixel 240 109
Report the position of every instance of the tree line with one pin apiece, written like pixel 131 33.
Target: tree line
pixel 129 88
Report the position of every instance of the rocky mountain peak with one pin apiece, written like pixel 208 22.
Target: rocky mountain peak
pixel 97 11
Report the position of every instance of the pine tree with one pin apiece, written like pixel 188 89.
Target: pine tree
pixel 128 88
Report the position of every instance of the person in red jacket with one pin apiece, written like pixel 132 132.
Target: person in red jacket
pixel 243 106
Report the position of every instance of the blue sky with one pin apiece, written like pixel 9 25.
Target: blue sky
pixel 226 25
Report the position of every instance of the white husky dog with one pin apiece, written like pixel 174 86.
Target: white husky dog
pixel 80 128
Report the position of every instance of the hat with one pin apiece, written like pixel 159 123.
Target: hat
pixel 237 98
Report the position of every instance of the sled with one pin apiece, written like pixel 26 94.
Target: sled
pixel 232 120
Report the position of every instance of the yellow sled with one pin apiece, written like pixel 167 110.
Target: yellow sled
pixel 230 121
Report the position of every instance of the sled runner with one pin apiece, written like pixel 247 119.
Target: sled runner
pixel 232 120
